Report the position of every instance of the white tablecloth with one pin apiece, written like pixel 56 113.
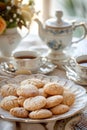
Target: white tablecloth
pixel 34 43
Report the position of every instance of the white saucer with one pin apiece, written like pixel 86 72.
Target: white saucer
pixel 47 68
pixel 72 75
pixel 44 69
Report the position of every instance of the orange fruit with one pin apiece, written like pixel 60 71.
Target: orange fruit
pixel 2 25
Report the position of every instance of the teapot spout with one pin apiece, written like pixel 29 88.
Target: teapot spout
pixel 41 30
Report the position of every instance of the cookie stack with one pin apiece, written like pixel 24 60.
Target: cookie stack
pixel 36 99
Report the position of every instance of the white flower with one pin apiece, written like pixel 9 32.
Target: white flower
pixel 27 12
pixel 15 2
pixel 14 15
pixel 19 11
pixel 11 20
pixel 8 8
pixel 17 19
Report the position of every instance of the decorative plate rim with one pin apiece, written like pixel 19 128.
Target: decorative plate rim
pixel 79 91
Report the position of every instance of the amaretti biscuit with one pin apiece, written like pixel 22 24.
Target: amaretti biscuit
pixel 53 101
pixel 27 90
pixel 53 89
pixel 69 98
pixel 8 89
pixel 21 100
pixel 9 102
pixel 42 93
pixel 37 82
pixel 19 112
pixel 40 114
pixel 60 109
pixel 34 103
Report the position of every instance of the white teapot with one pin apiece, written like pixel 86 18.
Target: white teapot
pixel 57 33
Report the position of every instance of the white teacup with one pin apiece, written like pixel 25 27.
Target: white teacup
pixel 79 64
pixel 28 60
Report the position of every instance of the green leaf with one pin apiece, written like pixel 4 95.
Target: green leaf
pixel 11 25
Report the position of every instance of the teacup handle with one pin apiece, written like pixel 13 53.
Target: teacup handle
pixel 85 31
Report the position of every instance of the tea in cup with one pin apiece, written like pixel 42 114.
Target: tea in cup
pixel 80 65
pixel 28 60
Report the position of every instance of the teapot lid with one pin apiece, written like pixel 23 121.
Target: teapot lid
pixel 57 22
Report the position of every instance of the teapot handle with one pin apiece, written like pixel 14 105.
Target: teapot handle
pixel 85 31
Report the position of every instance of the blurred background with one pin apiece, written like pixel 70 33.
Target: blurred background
pixel 73 10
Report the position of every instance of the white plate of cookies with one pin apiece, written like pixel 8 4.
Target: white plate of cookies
pixel 38 98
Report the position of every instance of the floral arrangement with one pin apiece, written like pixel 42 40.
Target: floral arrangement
pixel 15 13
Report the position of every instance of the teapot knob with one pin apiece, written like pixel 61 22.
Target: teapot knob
pixel 59 15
